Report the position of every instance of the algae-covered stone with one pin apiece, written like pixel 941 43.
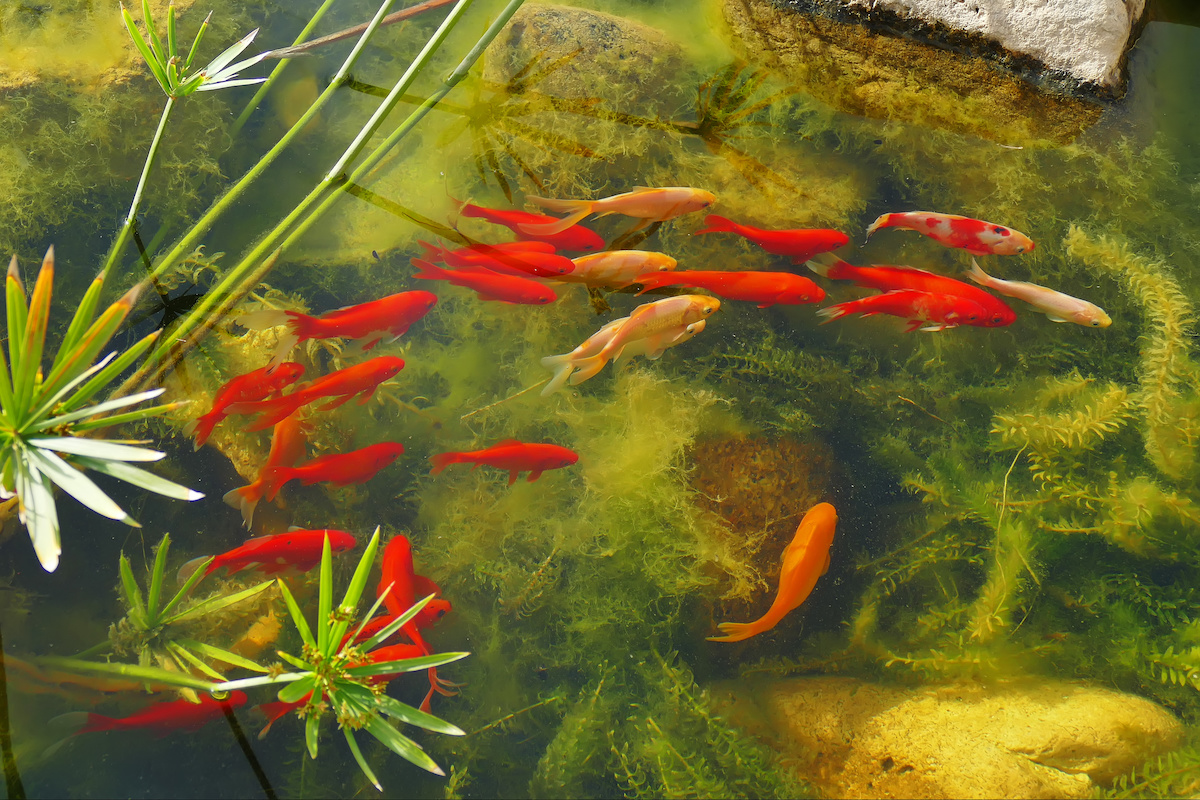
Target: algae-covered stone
pixel 1033 738
pixel 876 74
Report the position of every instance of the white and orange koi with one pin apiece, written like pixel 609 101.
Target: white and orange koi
pixel 977 237
pixel 647 204
pixel 653 326
pixel 617 268
pixel 1057 306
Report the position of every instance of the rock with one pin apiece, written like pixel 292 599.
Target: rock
pixel 1086 39
pixel 886 74
pixel 1030 738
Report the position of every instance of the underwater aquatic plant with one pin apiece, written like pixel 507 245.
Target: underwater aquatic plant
pixel 335 675
pixel 44 418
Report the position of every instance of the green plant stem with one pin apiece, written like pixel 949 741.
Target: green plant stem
pixel 275 73
pixel 131 218
pixel 187 244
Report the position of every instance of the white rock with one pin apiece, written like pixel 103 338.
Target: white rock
pixel 1084 38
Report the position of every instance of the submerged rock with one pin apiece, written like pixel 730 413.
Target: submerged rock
pixel 886 74
pixel 1033 738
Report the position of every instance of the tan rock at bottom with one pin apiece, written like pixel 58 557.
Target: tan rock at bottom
pixel 1028 739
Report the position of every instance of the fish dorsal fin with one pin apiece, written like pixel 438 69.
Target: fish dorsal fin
pixel 825 568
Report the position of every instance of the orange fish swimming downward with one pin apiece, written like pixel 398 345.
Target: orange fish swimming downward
pixel 804 560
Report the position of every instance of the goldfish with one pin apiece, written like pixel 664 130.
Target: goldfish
pixel 1057 306
pixel 805 560
pixel 764 288
pixel 662 323
pixel 298 549
pixel 617 268
pixel 511 455
pixel 531 259
pixel 489 285
pixel 340 469
pixel 252 386
pixel 359 380
pixel 800 244
pixel 886 279
pixel 645 203
pixel 388 316
pixel 287 447
pixel 977 237
pixel 575 237
pixel 947 311
pixel 161 719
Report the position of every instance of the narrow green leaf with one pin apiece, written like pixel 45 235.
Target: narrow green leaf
pixel 151 674
pixel 196 42
pixel 311 728
pixel 182 654
pixel 172 51
pixel 212 87
pixel 222 655
pixel 266 680
pixel 79 486
pixel 81 320
pixel 396 624
pixel 133 594
pixel 355 590
pixel 90 347
pixel 37 510
pixel 157 575
pixel 369 615
pixel 6 391
pixel 298 663
pixel 35 333
pixel 325 599
pixel 217 603
pixel 18 311
pixel 144 48
pixel 95 448
pixel 295 692
pixel 100 408
pixel 233 51
pixel 155 41
pixel 140 478
pixel 405 665
pixel 192 580
pixel 48 399
pixel 297 615
pixel 406 713
pixel 401 745
pixel 358 757
pixel 148 412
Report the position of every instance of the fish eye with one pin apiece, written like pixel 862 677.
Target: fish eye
pixel 1095 323
pixel 997 319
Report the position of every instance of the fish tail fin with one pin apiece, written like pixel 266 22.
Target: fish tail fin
pixel 274 411
pixel 273 479
pixel 189 568
pixel 77 722
pixel 264 318
pixel 827 265
pixel 429 272
pixel 884 221
pixel 715 223
pixel 734 632
pixel 578 208
pixel 286 342
pixel 977 274
pixel 833 312
pixel 655 280
pixel 202 428
pixel 443 460
pixel 245 499
pixel 588 368
pixel 562 366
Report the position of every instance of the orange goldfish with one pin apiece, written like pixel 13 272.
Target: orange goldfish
pixel 764 288
pixel 662 323
pixel 804 560
pixel 944 310
pixel 489 285
pixel 973 235
pixel 340 469
pixel 511 455
pixel 160 718
pixel 617 268
pixel 256 385
pixel 360 380
pixel 523 259
pixel 645 203
pixel 800 244
pixel 287 447
pixel 1057 306
pixel 576 237
pixel 270 554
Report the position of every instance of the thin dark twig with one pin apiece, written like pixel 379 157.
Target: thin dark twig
pixel 394 17
pixel 12 778
pixel 248 751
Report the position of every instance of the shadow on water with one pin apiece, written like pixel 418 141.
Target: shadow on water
pixel 12 778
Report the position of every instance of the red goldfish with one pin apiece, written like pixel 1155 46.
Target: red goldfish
pixel 534 259
pixel 360 379
pixel 764 288
pixel 270 554
pixel 287 447
pixel 973 235
pixel 489 285
pixel 511 455
pixel 647 204
pixel 799 243
pixel 243 389
pixel 918 307
pixel 996 312
pixel 161 719
pixel 340 469
pixel 804 561
pixel 389 316
pixel 575 237
pixel 617 268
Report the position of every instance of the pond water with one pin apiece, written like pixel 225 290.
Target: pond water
pixel 1016 501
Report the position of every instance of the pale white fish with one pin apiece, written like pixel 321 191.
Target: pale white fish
pixel 1057 306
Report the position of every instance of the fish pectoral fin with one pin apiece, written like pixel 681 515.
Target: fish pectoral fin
pixel 533 476
pixel 1053 318
pixel 825 568
pixel 512 476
